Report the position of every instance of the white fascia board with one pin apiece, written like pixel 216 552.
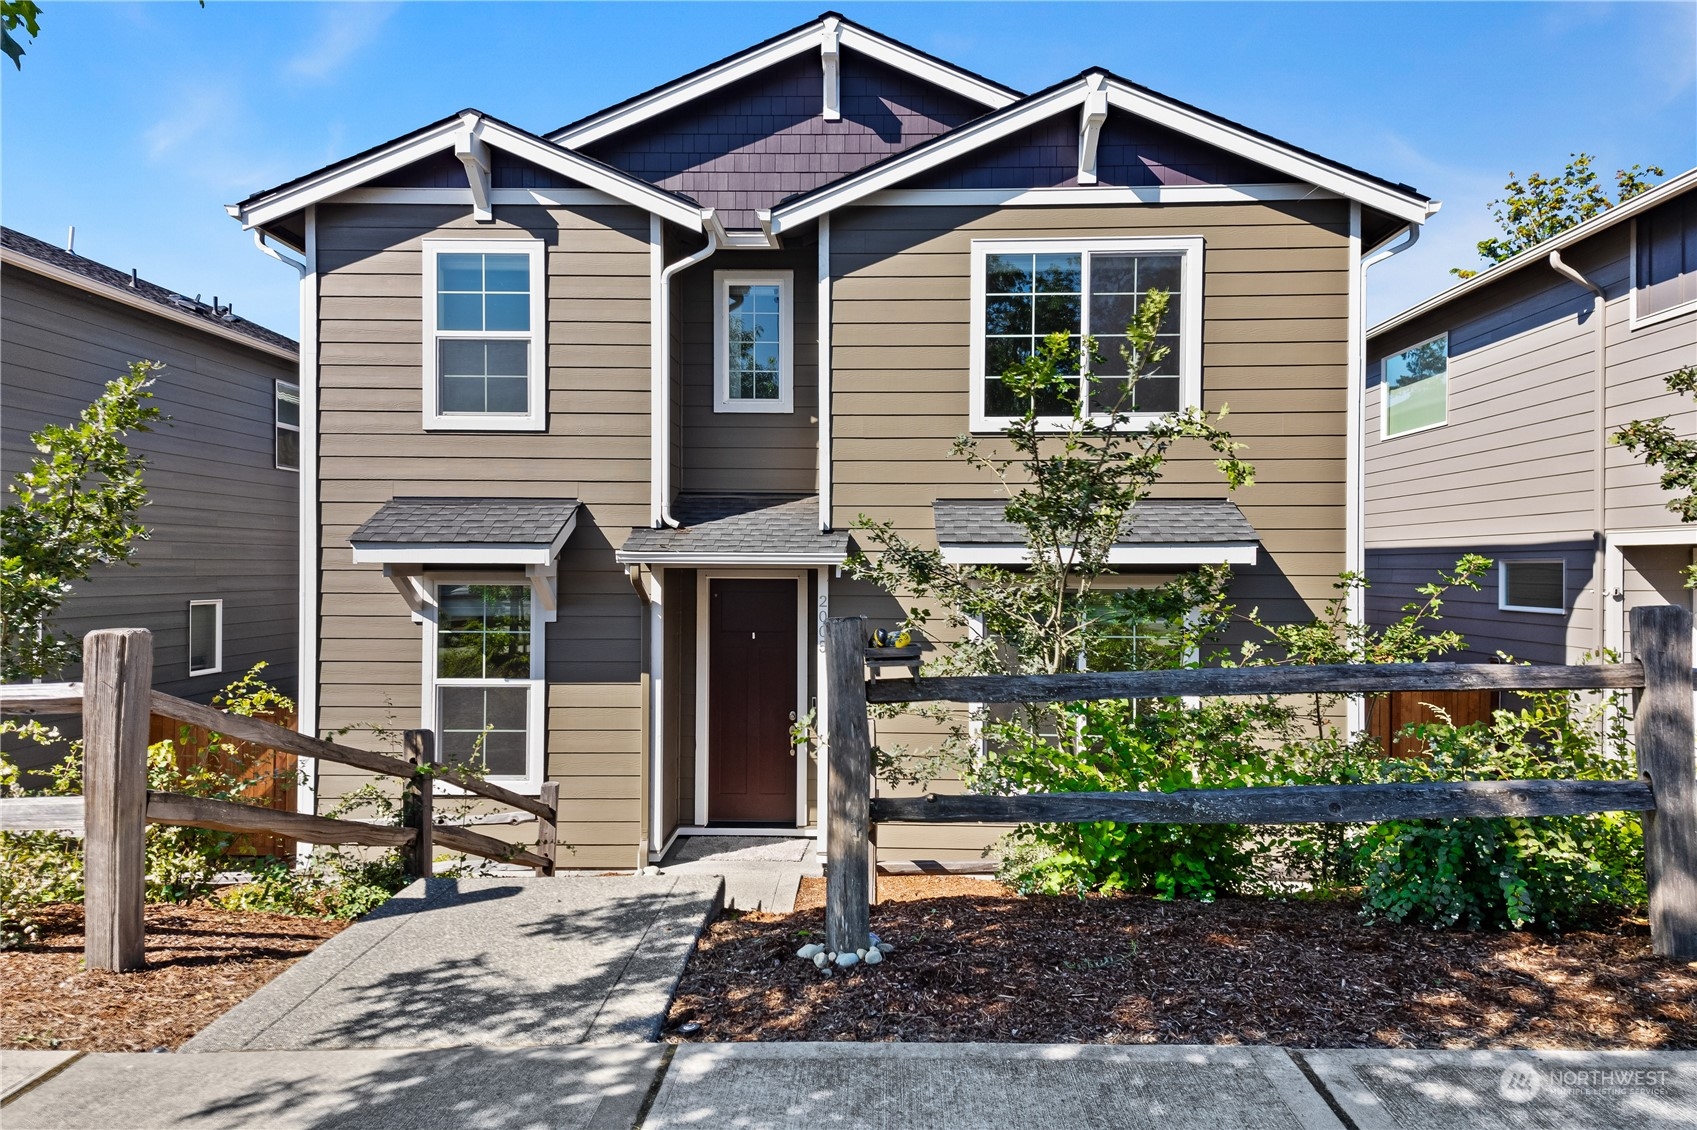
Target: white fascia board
pixel 1194 124
pixel 462 553
pixel 1221 553
pixel 1540 252
pixel 121 295
pixel 593 175
pixel 799 42
pixel 547 197
pixel 1097 194
pixel 340 178
pixel 751 559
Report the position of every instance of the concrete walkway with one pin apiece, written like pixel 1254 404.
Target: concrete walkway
pixel 864 1086
pixel 486 962
pixel 760 872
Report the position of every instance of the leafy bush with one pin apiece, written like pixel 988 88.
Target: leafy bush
pixel 1548 871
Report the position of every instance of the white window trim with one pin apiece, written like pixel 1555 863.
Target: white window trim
pixel 536 721
pixel 277 387
pixel 1190 315
pixel 1635 320
pixel 535 418
pixel 722 283
pixel 1385 391
pixel 1502 585
pixel 217 607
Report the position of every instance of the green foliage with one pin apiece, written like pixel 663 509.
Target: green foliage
pixel 1550 871
pixel 13 14
pixel 73 511
pixel 1660 446
pixel 1539 207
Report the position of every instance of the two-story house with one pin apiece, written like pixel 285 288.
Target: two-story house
pixel 589 414
pixel 1490 414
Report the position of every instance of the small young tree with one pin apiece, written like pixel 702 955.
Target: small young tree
pixel 1660 446
pixel 74 509
pixel 1539 207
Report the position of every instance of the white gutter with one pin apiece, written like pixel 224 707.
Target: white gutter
pixel 1599 439
pixel 823 321
pixel 661 448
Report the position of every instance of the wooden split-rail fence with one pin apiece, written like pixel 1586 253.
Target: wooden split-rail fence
pixel 1660 676
pixel 117 702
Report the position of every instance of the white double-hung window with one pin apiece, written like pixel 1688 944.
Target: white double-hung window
pixel 1024 290
pixel 753 342
pixel 486 686
pixel 485 349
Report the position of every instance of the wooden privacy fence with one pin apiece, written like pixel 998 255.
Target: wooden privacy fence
pixel 117 703
pixel 1666 791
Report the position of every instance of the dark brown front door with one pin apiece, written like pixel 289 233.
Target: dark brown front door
pixel 751 687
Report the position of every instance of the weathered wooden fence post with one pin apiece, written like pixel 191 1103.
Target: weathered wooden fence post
pixel 548 835
pixel 117 706
pixel 417 802
pixel 848 759
pixel 1662 727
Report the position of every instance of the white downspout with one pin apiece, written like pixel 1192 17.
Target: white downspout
pixel 662 378
pixel 1599 447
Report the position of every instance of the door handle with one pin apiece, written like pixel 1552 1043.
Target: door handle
pixel 792 716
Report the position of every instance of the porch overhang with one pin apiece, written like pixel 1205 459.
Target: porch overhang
pixel 748 530
pixel 1160 533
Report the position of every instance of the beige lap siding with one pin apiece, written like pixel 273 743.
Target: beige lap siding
pixel 1275 349
pixel 374 447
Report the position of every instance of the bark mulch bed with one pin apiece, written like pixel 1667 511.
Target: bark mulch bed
pixel 973 961
pixel 201 962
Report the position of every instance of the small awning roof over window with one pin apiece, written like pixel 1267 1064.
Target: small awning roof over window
pixel 1159 532
pixel 466 531
pixel 739 529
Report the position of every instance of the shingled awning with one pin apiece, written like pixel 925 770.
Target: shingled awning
pixel 466 531
pixel 1159 531
pixel 739 529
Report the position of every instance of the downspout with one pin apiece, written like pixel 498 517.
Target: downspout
pixel 1599 445
pixel 663 373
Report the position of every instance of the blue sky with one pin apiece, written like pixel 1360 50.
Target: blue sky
pixel 137 122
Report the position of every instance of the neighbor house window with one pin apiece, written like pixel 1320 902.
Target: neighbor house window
pixel 1415 392
pixel 753 342
pixel 206 637
pixel 288 402
pixel 487 680
pixel 1025 290
pixel 485 360
pixel 1664 261
pixel 1531 586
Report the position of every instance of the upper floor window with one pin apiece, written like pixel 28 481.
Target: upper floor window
pixel 1025 290
pixel 1664 261
pixel 1415 392
pixel 288 415
pixel 485 357
pixel 753 342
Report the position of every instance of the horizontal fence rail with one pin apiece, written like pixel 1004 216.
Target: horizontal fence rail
pixel 1666 792
pixel 1208 682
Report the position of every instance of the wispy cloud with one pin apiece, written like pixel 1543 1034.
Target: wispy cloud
pixel 347 28
pixel 192 114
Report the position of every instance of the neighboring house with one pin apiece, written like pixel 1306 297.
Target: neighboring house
pixel 215 582
pixel 1495 435
pixel 589 415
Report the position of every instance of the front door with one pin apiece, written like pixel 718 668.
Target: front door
pixel 751 699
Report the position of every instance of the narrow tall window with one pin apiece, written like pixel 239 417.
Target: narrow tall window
pixel 1415 392
pixel 288 401
pixel 206 637
pixel 486 678
pixel 484 361
pixel 753 342
pixel 1664 261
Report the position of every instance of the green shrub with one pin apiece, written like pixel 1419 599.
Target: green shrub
pixel 1551 871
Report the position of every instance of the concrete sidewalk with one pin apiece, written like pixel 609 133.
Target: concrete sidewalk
pixel 486 962
pixel 865 1086
pixel 760 872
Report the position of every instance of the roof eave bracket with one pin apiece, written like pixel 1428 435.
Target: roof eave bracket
pixel 830 60
pixel 473 153
pixel 1092 116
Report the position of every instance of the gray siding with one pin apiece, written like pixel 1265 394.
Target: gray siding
pixel 222 517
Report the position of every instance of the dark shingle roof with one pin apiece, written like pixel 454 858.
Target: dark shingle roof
pixel 468 521
pixel 1153 521
pixel 47 253
pixel 744 525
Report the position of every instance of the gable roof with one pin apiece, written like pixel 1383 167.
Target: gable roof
pixel 1151 521
pixel 785 45
pixel 273 204
pixel 1540 252
pixel 42 258
pixel 1395 199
